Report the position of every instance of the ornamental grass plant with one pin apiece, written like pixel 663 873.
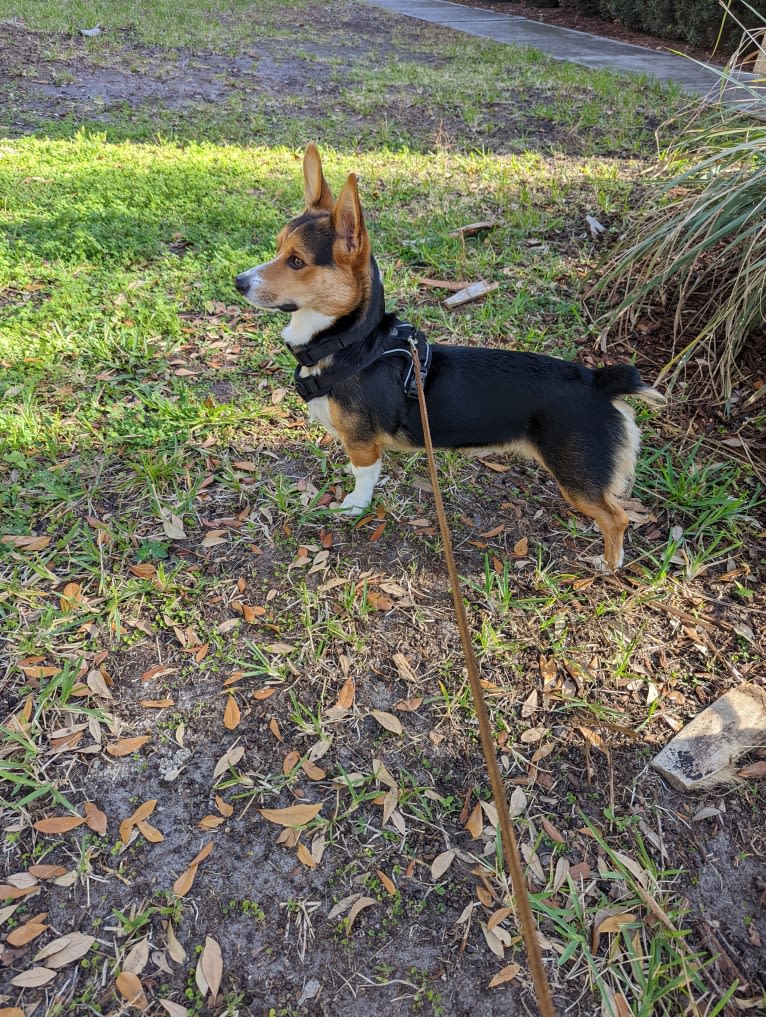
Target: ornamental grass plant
pixel 696 248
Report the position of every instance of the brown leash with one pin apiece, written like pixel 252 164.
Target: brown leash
pixel 508 838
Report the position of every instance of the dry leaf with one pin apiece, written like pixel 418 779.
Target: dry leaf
pixel 552 832
pixel 409 705
pixel 23 543
pixel 230 758
pixel 185 881
pixel 141 813
pixel 404 668
pixel 149 832
pixel 305 856
pixel 125 746
pixel 25 934
pixel 472 292
pixel 33 978
pixel 274 728
pixel 294 815
pixel 388 721
pixel 388 884
pixel 58 824
pixel 176 951
pixel 312 771
pixel 95 818
pixel 290 761
pixel 346 695
pixel 757 769
pixel 520 550
pixel 223 807
pixel 65 950
pixel 136 959
pixel 211 962
pixel 359 905
pixel 130 988
pixel 231 715
pixel 46 871
pixel 173 1009
pixel 506 974
pixel 475 823
pixel 441 863
pixel 493 942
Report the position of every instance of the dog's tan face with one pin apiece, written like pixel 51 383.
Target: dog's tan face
pixel 321 256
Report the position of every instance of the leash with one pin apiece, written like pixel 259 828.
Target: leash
pixel 507 836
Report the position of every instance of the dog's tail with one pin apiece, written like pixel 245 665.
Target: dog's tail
pixel 624 379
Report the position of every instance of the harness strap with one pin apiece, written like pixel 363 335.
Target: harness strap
pixel 396 343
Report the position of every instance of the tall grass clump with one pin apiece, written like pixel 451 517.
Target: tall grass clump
pixel 697 246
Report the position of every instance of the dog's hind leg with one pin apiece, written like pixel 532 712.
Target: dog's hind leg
pixel 610 518
pixel 365 465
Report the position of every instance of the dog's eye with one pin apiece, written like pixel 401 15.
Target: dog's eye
pixel 294 262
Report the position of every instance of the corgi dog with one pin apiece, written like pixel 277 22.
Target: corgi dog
pixel 355 372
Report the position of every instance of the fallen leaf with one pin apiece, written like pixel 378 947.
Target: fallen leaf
pixel 132 991
pixel 58 824
pixel 520 550
pixel 274 728
pixel 386 882
pixel 359 905
pixel 223 807
pixel 33 978
pixel 211 962
pixel 312 771
pixel 24 934
pixel 149 832
pixel 173 1009
pixel 65 950
pixel 757 769
pixel 404 668
pixel 346 695
pixel 125 746
pixel 46 871
pixel 305 856
pixel 141 813
pixel 137 957
pixel 230 758
pixel 173 526
pixel 388 721
pixel 95 818
pixel 231 715
pixel 441 863
pixel 25 543
pixel 475 823
pixel 294 815
pixel 506 974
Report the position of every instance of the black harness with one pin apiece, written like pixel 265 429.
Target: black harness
pixel 382 338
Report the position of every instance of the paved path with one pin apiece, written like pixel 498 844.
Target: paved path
pixel 561 43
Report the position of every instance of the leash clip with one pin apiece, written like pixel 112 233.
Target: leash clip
pixel 419 346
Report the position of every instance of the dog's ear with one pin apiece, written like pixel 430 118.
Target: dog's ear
pixel 348 220
pixel 316 189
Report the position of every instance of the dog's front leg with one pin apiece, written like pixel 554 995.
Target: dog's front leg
pixel 365 465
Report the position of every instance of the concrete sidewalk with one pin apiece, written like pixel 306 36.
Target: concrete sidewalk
pixel 564 43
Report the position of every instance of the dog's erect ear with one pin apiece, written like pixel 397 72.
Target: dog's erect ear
pixel 348 220
pixel 316 188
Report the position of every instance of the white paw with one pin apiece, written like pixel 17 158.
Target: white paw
pixel 352 506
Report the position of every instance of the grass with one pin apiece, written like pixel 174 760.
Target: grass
pixel 187 557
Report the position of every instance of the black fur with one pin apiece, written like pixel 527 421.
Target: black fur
pixel 478 398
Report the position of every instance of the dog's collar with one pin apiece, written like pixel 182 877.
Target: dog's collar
pixel 345 331
pixel 396 342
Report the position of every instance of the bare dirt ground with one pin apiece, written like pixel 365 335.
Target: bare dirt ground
pixel 377 712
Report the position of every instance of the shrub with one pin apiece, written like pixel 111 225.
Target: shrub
pixel 698 22
pixel 699 246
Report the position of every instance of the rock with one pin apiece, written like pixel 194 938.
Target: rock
pixel 705 752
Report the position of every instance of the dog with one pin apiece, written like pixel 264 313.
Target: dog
pixel 355 372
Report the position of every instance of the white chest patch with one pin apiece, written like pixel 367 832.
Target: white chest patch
pixel 304 325
pixel 319 409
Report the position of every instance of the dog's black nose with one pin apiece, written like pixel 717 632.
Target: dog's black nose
pixel 241 282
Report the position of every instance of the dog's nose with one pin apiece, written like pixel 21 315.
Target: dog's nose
pixel 241 282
